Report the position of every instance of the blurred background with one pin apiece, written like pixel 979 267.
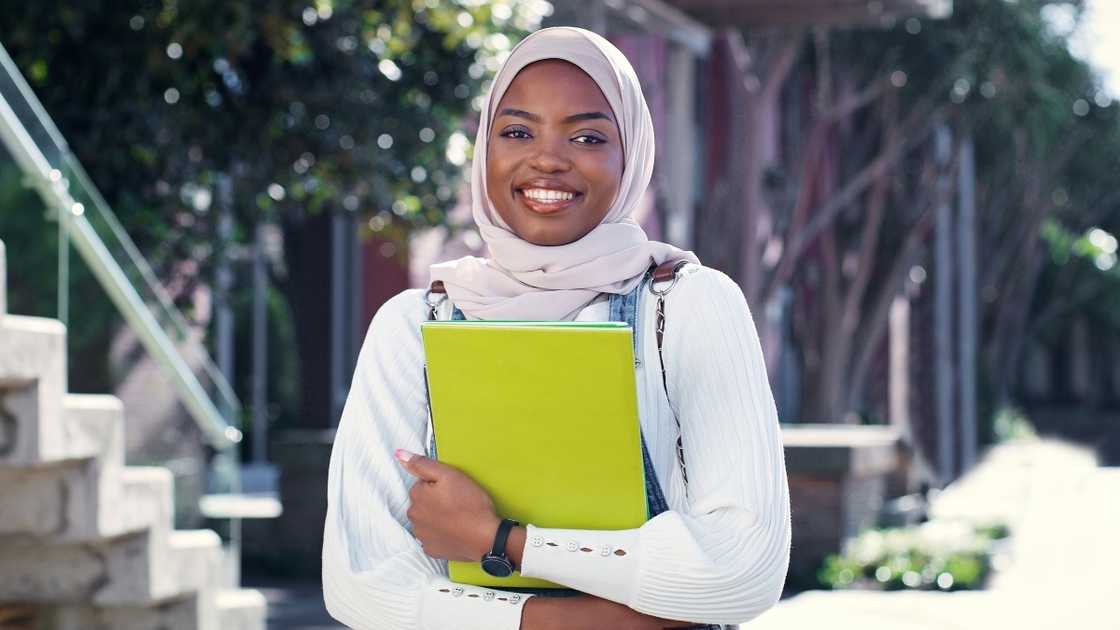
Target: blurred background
pixel 918 198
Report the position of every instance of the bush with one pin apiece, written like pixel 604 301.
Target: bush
pixel 936 555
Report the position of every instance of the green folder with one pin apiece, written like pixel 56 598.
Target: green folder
pixel 544 416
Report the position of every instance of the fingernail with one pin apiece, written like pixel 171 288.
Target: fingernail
pixel 402 454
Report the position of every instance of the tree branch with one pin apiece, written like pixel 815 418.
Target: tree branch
pixel 869 242
pixel 830 209
pixel 857 101
pixel 876 325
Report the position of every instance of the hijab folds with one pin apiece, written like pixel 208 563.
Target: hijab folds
pixel 522 281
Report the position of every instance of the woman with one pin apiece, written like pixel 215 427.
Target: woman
pixel 563 155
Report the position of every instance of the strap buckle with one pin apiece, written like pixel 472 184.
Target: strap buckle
pixel 437 289
pixel 666 271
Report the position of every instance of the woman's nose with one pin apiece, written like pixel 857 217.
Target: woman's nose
pixel 549 160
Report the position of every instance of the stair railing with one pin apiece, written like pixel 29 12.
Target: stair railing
pixel 52 169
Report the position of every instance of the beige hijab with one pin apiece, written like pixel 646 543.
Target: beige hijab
pixel 523 281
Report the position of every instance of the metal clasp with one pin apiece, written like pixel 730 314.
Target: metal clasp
pixel 432 306
pixel 663 292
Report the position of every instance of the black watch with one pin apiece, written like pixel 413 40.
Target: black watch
pixel 496 563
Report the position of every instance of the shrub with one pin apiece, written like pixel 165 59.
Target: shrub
pixel 936 555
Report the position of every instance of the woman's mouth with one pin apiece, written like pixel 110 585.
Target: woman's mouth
pixel 545 200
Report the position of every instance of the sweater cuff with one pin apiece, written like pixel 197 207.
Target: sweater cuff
pixel 445 604
pixel 599 563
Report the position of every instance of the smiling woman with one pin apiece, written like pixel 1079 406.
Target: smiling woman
pixel 563 156
pixel 549 118
pixel 555 154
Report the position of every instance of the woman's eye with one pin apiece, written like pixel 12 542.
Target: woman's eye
pixel 515 133
pixel 588 139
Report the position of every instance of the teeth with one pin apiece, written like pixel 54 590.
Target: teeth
pixel 543 194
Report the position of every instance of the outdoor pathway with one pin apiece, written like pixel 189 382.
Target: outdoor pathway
pixel 293 604
pixel 1064 555
pixel 1061 574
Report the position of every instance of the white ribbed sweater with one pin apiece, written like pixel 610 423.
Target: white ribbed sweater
pixel 718 556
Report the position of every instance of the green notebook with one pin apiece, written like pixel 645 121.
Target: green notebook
pixel 544 416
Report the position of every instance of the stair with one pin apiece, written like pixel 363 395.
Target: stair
pixel 85 541
pixel 237 609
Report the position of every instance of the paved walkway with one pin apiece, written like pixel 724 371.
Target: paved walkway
pixel 1061 570
pixel 293 604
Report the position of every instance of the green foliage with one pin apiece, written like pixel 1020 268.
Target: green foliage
pixel 345 105
pixel 31 244
pixel 987 52
pixel 310 105
pixel 999 71
pixel 283 365
pixel 1082 266
pixel 328 105
pixel 1010 424
pixel 937 555
pixel 1047 139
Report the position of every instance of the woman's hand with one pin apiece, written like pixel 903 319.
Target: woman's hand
pixel 588 613
pixel 451 515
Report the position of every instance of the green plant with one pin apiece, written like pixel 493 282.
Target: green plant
pixel 936 555
pixel 1011 424
pixel 308 106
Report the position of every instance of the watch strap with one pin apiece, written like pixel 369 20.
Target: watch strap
pixel 504 528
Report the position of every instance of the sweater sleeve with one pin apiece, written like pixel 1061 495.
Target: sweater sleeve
pixel 722 560
pixel 375 574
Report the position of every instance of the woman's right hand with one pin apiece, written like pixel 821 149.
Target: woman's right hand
pixel 589 613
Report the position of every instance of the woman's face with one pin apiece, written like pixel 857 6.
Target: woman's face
pixel 555 154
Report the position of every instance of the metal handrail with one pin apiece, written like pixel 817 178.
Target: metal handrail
pixel 225 390
pixel 53 188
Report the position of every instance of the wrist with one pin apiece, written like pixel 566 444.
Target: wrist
pixel 484 540
pixel 535 614
pixel 515 546
pixel 554 613
pixel 572 613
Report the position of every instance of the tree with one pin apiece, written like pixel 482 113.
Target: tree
pixel 350 105
pixel 846 204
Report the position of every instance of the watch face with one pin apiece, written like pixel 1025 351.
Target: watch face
pixel 497 566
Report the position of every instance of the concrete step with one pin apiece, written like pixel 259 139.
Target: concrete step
pixel 132 570
pixel 92 497
pixel 39 422
pixel 241 609
pixel 74 502
pixel 197 560
pixel 32 390
pixel 85 542
pixel 235 609
pixel 93 426
pixel 179 614
pixel 130 582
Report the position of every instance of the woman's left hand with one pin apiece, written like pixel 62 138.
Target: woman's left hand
pixel 451 515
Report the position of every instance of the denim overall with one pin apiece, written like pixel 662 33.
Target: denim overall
pixel 623 308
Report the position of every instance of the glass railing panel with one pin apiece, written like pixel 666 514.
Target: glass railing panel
pixel 187 335
pixel 88 223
